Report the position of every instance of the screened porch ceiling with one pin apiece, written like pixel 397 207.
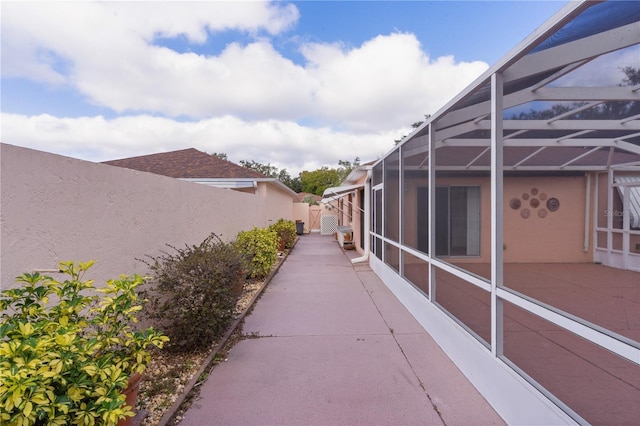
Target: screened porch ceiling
pixel 568 104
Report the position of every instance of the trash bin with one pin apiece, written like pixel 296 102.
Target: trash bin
pixel 299 228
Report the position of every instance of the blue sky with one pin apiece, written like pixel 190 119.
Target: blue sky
pixel 298 85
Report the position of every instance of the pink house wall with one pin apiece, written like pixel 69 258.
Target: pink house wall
pixel 556 237
pixel 57 208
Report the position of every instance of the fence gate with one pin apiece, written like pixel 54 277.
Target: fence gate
pixel 314 217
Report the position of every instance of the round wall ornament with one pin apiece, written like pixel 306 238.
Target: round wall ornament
pixel 553 204
pixel 515 203
pixel 525 213
pixel 534 203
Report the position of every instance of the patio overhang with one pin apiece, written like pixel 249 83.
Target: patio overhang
pixel 335 193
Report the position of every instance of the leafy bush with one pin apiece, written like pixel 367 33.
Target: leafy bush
pixel 260 246
pixel 66 356
pixel 286 230
pixel 194 292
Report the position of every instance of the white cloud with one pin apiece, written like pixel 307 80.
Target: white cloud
pixel 250 81
pixel 173 18
pixel 604 70
pixel 248 100
pixel 388 81
pixel 284 144
pixel 120 33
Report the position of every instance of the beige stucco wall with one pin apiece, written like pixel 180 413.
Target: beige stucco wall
pixel 57 208
pixel 278 203
pixel 559 236
pixel 351 213
pixel 301 213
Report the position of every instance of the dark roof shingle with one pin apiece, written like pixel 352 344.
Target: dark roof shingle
pixel 187 163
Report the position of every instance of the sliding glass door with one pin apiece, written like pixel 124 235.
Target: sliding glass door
pixel 458 221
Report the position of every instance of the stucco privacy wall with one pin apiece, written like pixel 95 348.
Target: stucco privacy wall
pixel 57 208
pixel 301 212
pixel 278 204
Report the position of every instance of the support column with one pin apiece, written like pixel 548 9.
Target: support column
pixel 432 216
pixel 497 237
pixel 609 217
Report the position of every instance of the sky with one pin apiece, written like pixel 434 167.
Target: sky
pixel 298 85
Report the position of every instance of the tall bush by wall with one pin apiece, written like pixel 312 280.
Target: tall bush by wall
pixel 286 230
pixel 194 291
pixel 260 246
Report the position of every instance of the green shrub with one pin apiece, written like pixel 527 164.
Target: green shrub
pixel 286 230
pixel 260 246
pixel 67 354
pixel 194 291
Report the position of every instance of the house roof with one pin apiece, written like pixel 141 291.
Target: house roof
pixel 199 167
pixel 303 195
pixel 187 164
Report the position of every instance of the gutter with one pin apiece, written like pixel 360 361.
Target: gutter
pixel 587 210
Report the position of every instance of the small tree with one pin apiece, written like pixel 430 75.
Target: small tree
pixel 414 125
pixel 273 172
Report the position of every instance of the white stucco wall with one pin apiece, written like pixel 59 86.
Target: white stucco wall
pixel 57 208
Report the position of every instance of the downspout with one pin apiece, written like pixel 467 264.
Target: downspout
pixel 587 211
pixel 367 220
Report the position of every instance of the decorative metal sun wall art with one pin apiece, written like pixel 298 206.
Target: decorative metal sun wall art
pixel 533 200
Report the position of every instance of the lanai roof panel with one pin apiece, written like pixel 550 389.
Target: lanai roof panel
pixel 567 91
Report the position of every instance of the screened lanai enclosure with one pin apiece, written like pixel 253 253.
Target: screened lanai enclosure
pixel 509 222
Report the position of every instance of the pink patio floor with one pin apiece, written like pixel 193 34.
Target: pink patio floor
pixel 600 386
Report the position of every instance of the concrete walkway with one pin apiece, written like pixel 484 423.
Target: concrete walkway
pixel 333 346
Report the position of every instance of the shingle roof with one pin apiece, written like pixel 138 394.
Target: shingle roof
pixel 314 197
pixel 187 163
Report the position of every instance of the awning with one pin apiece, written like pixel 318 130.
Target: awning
pixel 337 192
